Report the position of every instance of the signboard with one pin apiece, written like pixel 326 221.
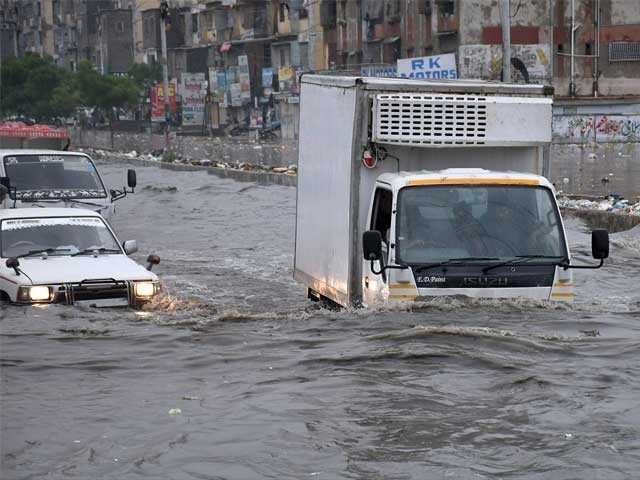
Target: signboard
pixel 379 71
pixel 436 66
pixel 157 101
pixel 193 96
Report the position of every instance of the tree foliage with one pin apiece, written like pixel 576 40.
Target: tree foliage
pixel 145 75
pixel 36 88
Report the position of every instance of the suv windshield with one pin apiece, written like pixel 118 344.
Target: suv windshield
pixel 498 222
pixel 56 235
pixel 53 176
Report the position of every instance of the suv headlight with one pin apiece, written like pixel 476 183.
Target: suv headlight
pixel 145 289
pixel 35 294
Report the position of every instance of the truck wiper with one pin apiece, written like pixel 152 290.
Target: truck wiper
pixel 87 251
pixel 43 250
pixel 453 261
pixel 520 259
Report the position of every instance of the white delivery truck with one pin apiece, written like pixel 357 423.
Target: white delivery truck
pixel 56 178
pixel 410 189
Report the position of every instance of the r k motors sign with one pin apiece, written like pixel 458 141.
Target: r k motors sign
pixel 436 66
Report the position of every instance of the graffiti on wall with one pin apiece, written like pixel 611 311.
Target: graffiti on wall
pixel 596 128
pixel 485 62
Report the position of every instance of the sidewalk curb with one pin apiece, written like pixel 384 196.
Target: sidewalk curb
pixel 263 178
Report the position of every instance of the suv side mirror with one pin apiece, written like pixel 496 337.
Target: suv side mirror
pixel 14 263
pixel 131 178
pixel 600 244
pixel 372 245
pixel 152 260
pixel 130 246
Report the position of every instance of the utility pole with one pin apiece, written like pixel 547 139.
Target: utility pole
pixel 164 15
pixel 311 35
pixel 505 20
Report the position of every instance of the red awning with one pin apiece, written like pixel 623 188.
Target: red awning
pixel 22 130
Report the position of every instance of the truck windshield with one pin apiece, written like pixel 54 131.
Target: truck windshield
pixel 43 177
pixel 498 222
pixel 55 235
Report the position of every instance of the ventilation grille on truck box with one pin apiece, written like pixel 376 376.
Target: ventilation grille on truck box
pixel 430 119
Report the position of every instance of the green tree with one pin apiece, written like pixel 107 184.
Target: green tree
pixel 106 92
pixel 36 88
pixel 145 74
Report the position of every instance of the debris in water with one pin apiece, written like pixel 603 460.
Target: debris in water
pixel 590 333
pixel 175 411
pixel 191 397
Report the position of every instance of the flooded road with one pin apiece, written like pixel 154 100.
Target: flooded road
pixel 233 374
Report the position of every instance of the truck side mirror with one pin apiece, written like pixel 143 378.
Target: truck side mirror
pixel 131 178
pixel 600 244
pixel 372 245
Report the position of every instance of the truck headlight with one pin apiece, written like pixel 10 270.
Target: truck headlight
pixel 37 293
pixel 145 289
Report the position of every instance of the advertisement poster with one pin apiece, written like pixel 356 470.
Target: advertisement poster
pixel 157 101
pixel 436 66
pixel 236 95
pixel 213 83
pixel 285 78
pixel 245 86
pixel 222 88
pixel 267 77
pixel 243 78
pixel 193 96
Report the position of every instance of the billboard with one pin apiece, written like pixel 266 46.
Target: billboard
pixel 157 101
pixel 436 66
pixel 194 87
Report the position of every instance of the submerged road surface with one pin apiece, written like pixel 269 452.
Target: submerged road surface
pixel 233 374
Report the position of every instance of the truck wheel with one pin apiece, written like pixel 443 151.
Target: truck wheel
pixel 313 295
pixel 4 297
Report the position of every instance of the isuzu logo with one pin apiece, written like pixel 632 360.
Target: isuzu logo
pixel 485 281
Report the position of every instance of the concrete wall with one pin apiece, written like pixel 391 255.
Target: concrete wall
pixel 231 151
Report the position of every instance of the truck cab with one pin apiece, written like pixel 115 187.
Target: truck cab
pixel 466 231
pixel 56 178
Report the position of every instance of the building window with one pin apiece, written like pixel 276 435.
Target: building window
pixel 119 27
pixel 283 12
pixel 194 23
pixel 624 51
pixel 283 57
pixel 446 7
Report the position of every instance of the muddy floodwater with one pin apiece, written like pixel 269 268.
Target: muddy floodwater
pixel 233 374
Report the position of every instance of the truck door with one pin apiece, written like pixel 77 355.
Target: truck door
pixel 381 221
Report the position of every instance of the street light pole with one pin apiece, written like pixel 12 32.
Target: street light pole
pixel 164 14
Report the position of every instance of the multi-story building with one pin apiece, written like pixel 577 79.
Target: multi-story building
pixel 115 41
pixel 8 29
